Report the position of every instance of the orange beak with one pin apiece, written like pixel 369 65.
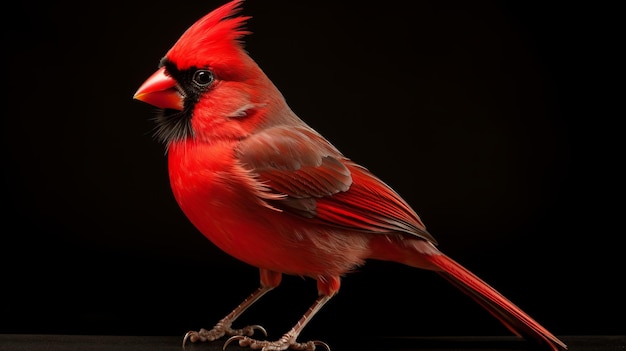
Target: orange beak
pixel 160 90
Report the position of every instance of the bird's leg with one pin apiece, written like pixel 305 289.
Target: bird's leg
pixel 223 327
pixel 269 280
pixel 288 340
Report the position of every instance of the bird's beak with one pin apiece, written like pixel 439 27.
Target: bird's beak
pixel 160 90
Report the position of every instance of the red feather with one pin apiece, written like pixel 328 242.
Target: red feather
pixel 216 35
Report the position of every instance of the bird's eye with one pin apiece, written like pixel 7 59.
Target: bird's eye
pixel 203 77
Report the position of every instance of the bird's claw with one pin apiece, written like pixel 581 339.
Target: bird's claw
pixel 187 335
pixel 214 334
pixel 201 335
pixel 275 346
pixel 231 339
pixel 249 330
pixel 321 343
pixel 192 336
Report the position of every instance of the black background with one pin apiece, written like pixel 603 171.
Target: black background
pixel 499 123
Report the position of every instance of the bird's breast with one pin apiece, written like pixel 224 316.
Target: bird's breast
pixel 222 201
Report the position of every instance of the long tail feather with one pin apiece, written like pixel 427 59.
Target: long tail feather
pixel 499 306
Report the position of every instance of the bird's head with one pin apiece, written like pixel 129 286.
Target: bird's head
pixel 207 86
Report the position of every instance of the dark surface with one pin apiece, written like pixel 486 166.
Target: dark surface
pixel 500 122
pixel 12 342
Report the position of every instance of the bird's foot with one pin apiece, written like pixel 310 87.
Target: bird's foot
pixel 221 328
pixel 284 343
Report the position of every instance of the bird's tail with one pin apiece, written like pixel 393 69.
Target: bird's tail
pixel 516 320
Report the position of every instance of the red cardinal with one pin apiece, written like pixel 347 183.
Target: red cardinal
pixel 270 191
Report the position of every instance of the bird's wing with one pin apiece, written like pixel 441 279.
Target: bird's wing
pixel 320 184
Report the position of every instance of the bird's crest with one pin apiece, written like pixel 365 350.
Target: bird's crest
pixel 216 35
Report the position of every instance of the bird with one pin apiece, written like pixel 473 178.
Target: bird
pixel 267 189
